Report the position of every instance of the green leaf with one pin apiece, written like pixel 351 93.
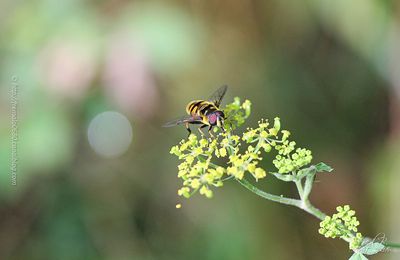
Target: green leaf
pixel 307 171
pixel 358 256
pixel 283 177
pixel 371 248
pixel 322 167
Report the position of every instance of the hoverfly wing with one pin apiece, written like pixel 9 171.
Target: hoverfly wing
pixel 218 95
pixel 179 121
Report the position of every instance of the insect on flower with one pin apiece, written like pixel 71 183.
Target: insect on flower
pixel 203 112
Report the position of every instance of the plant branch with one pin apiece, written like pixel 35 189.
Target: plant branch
pixel 304 205
pixel 299 187
pixel 391 245
pixel 308 207
pixel 269 196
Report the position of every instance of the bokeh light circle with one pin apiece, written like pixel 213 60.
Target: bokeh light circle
pixel 110 134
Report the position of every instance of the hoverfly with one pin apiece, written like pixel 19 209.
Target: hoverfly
pixel 204 112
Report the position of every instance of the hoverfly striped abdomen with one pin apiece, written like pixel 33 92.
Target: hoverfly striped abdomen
pixel 193 107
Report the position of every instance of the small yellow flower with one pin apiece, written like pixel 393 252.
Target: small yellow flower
pixel 273 131
pixel 264 134
pixel 194 172
pixel 184 191
pixel 178 206
pixel 218 184
pixel 250 148
pixel 216 152
pixel 239 175
pixel 238 162
pixel 235 138
pixel 175 150
pixel 189 159
pixel 224 142
pixel 263 124
pixel 285 135
pixel 192 138
pixel 182 166
pixel 248 136
pixel 222 152
pixel 203 142
pixel 195 184
pixel 251 167
pixel 182 173
pixel 267 147
pixel 235 172
pixel 184 147
pixel 260 173
pixel 207 178
pixel 213 144
pixel 233 158
pixel 277 124
pixel 203 165
pixel 219 172
pixel 206 191
pixel 231 171
pixel 197 151
pixel 246 104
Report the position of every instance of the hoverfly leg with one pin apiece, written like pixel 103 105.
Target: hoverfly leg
pixel 188 128
pixel 202 133
pixel 209 131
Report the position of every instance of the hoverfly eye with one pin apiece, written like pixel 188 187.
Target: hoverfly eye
pixel 212 118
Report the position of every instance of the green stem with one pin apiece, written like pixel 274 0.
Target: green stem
pixel 391 245
pixel 268 196
pixel 304 205
pixel 299 187
pixel 308 207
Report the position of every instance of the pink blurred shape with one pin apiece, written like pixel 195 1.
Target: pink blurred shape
pixel 67 67
pixel 128 77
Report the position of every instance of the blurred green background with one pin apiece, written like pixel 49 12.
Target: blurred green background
pixel 329 69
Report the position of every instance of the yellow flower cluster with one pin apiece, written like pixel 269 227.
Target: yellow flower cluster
pixel 196 170
pixel 237 113
pixel 199 173
pixel 342 224
pixel 199 169
pixel 286 162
